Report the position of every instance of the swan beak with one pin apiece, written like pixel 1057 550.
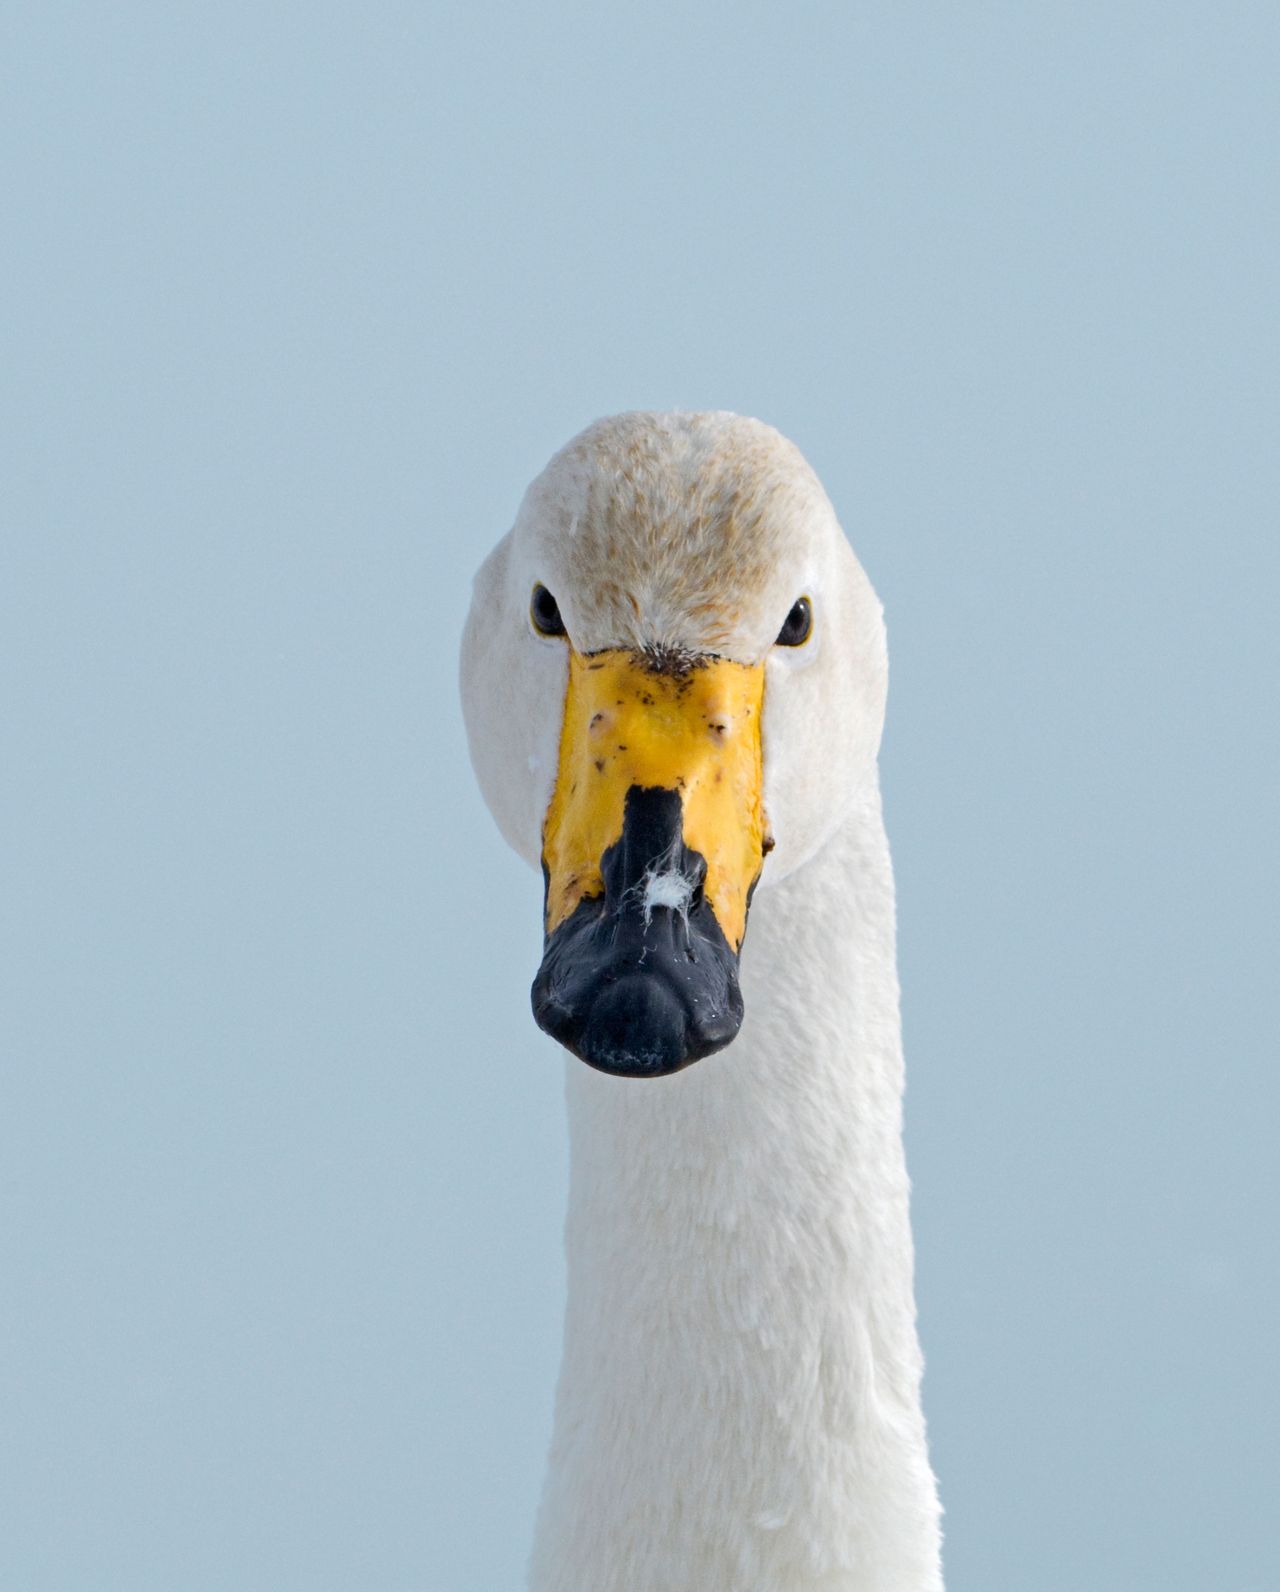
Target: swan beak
pixel 653 843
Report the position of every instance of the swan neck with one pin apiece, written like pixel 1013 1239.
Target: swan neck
pixel 739 1396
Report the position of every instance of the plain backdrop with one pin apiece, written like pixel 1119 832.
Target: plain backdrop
pixel 295 300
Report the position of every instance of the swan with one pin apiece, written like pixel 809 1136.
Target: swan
pixel 673 680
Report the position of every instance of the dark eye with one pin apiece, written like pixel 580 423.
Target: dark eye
pixel 544 610
pixel 798 625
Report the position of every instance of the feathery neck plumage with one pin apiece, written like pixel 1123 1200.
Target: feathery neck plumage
pixel 738 1408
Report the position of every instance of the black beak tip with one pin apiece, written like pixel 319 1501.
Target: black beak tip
pixel 641 991
pixel 636 1027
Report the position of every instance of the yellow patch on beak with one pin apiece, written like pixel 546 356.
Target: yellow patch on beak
pixel 696 732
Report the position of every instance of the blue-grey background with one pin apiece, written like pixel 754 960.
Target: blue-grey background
pixel 296 298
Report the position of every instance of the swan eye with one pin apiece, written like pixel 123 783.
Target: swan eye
pixel 798 625
pixel 544 610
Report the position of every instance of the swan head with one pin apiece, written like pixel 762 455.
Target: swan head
pixel 673 679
